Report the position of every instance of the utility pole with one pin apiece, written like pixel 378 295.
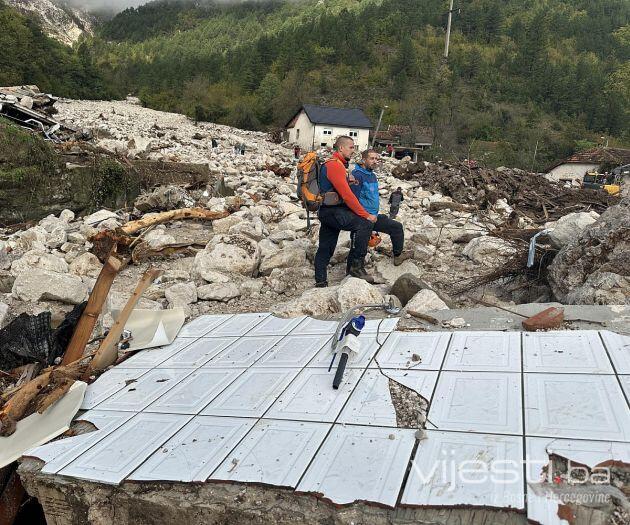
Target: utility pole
pixel 378 126
pixel 448 30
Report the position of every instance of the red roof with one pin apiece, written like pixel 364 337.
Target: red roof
pixel 597 156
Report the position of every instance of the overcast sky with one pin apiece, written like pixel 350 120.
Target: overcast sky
pixel 110 5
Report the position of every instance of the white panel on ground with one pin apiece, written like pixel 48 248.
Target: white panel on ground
pixel 369 347
pixel 312 326
pixel 252 393
pixel 238 325
pixel 576 406
pixel 360 463
pixel 625 383
pixel 154 357
pixel 371 402
pixel 484 351
pixel 387 324
pixel 273 325
pixel 294 351
pixel 57 454
pixel 487 402
pixel 202 325
pixel 245 352
pixel 452 468
pixel 565 352
pixel 198 353
pixel 274 453
pixel 195 392
pixel 413 350
pixel 138 395
pixel 112 459
pixel 311 397
pixel 619 349
pixel 195 451
pixel 109 383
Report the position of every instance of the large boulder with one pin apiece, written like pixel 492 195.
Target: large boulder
pixel 289 258
pixel 181 294
pixel 44 285
pixel 86 264
pixel 567 228
pixel 229 253
pixel 489 251
pixel 38 260
pixel 332 300
pixel 218 292
pixel 594 268
pixel 164 198
pixel 407 286
pixel 425 301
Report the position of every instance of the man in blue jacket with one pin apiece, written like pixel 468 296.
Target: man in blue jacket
pixel 364 185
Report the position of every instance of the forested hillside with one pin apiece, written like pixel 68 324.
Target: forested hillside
pixel 526 82
pixel 28 56
pixel 546 72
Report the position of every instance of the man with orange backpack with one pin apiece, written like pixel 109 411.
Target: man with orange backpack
pixel 340 210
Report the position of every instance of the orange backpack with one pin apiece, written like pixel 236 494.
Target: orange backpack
pixel 308 188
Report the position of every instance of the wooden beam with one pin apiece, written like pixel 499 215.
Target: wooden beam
pixel 11 500
pixel 108 351
pixel 173 215
pixel 85 326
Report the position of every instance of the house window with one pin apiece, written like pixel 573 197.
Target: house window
pixel 323 144
pixel 328 132
pixel 297 136
pixel 353 134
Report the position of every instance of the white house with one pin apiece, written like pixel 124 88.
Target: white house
pixel 314 127
pixel 573 168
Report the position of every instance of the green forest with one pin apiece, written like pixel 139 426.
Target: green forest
pixel 526 81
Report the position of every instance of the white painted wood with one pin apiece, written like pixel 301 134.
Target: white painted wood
pixel 192 394
pixel 311 397
pixel 360 463
pixel 619 350
pixel 452 468
pixel 371 402
pixel 488 402
pixel 198 353
pixel 155 356
pixel 113 458
pixel 238 325
pixel 565 352
pixel 274 453
pixel 294 351
pixel 252 393
pixel 484 351
pixel 400 347
pixel 138 395
pixel 203 325
pixel 275 326
pixel 195 451
pixel 243 353
pixel 57 454
pixel 109 383
pixel 576 406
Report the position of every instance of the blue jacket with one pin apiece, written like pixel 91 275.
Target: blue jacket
pixel 366 189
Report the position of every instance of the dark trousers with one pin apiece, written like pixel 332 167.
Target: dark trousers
pixel 332 220
pixel 393 211
pixel 394 229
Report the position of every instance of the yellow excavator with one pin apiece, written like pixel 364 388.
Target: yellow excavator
pixel 609 182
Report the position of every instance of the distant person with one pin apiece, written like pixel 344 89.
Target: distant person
pixel 215 143
pixel 394 202
pixel 296 152
pixel 390 150
pixel 242 148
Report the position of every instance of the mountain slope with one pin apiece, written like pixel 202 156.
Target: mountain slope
pixel 59 21
pixel 30 57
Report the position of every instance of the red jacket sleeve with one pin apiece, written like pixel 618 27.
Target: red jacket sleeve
pixel 337 176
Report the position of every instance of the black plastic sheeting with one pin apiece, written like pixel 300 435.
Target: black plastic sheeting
pixel 30 339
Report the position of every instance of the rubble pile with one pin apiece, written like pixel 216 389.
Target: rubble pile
pixel 249 249
pixel 594 267
pixel 529 194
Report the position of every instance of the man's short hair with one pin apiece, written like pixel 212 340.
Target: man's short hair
pixel 367 152
pixel 343 139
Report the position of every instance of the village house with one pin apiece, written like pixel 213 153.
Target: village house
pixel 314 127
pixel 573 168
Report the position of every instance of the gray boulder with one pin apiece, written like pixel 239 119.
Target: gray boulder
pixel 44 285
